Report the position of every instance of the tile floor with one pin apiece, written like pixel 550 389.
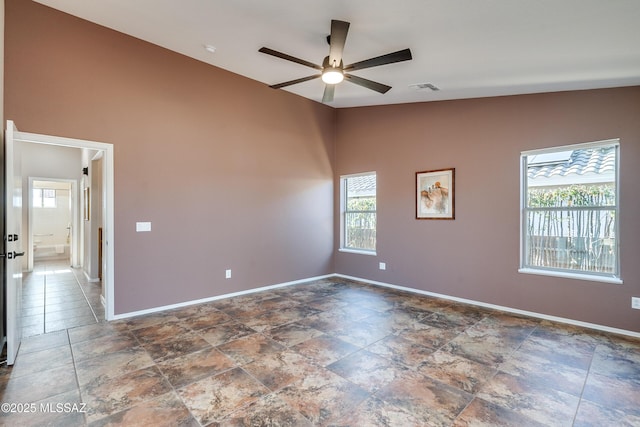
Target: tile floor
pixel 56 297
pixel 326 353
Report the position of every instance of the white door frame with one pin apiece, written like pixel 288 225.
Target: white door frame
pixel 13 241
pixel 75 229
pixel 108 197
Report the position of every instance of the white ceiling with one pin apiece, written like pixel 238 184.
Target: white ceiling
pixel 467 48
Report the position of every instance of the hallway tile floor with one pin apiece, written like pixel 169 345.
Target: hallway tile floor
pixel 326 353
pixel 56 297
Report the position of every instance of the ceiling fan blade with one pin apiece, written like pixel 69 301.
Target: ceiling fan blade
pixel 328 93
pixel 296 81
pixel 338 38
pixel 288 57
pixel 369 84
pixel 390 58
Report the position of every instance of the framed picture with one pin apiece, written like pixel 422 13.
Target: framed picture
pixel 86 204
pixel 435 193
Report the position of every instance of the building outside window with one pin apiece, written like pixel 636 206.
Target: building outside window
pixel 358 212
pixel 570 211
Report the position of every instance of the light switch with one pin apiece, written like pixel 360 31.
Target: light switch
pixel 143 226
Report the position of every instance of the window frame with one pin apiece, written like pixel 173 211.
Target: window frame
pixel 343 212
pixel 42 198
pixel 614 277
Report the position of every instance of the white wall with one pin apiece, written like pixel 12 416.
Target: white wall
pixel 46 161
pixel 50 224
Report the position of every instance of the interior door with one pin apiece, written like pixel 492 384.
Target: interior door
pixel 13 241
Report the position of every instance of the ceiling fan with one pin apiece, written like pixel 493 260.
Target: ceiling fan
pixel 333 70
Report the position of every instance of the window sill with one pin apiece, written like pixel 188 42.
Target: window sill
pixel 567 275
pixel 357 251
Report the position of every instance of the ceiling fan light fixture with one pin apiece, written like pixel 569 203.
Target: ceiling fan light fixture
pixel 332 76
pixel 333 69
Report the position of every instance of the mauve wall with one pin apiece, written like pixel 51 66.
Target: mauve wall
pixel 231 174
pixel 475 256
pixel 235 175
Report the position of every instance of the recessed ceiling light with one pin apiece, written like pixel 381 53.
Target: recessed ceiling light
pixel 210 48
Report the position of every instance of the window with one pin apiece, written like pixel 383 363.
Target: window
pixel 570 211
pixel 358 208
pixel 44 198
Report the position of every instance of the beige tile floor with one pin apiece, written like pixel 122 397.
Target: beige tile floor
pixel 56 297
pixel 326 353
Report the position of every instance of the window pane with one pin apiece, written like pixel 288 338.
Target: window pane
pixel 359 215
pixel 48 198
pixel 360 230
pixel 571 207
pixel 572 239
pixel 361 193
pixel 583 177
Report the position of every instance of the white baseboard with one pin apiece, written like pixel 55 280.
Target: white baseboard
pixel 218 297
pixel 499 307
pixel 89 278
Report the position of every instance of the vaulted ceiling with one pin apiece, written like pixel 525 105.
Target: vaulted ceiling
pixel 466 48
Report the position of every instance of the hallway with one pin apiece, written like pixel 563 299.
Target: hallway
pixel 56 297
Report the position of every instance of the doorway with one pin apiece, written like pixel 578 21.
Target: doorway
pixel 100 205
pixel 53 232
pixel 57 294
pixel 107 211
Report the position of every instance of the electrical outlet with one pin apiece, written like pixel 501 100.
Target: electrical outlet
pixel 635 303
pixel 227 274
pixel 383 266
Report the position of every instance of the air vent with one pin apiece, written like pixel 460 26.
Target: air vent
pixel 424 86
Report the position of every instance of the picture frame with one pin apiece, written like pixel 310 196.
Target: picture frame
pixel 435 194
pixel 86 204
